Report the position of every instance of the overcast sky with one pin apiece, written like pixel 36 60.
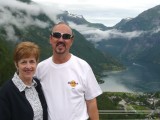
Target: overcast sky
pixel 108 12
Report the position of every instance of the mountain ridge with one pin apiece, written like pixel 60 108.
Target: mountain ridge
pixel 144 47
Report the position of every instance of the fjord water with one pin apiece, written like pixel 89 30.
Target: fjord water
pixel 136 78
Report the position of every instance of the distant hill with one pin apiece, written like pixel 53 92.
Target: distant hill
pixel 145 21
pixel 122 23
pixel 144 47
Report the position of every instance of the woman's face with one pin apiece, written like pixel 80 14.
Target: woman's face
pixel 26 68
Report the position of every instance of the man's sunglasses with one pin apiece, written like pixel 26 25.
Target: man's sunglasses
pixel 63 35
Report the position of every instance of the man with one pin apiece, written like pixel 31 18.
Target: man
pixel 68 82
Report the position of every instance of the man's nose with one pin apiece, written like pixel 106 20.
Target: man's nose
pixel 61 39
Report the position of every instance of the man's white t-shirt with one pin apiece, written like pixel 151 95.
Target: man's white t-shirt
pixel 66 87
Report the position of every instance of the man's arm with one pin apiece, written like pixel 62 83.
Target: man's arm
pixel 92 109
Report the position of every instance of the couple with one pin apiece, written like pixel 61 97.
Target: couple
pixel 68 83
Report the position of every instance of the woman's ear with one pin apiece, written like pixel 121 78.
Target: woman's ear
pixel 16 65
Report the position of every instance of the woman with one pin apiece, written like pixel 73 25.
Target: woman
pixel 21 98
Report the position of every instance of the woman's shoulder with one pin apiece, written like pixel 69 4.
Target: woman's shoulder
pixel 38 86
pixel 6 87
pixel 37 80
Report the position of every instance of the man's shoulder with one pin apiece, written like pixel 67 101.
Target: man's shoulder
pixel 80 61
pixel 45 62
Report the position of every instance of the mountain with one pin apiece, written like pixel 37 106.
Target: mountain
pixel 145 21
pixel 122 23
pixel 138 39
pixel 80 20
pixel 32 23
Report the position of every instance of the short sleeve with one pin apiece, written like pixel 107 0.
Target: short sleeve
pixel 92 88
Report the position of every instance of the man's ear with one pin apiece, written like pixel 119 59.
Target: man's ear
pixel 72 41
pixel 50 39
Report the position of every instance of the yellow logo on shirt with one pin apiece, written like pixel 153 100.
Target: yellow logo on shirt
pixel 73 83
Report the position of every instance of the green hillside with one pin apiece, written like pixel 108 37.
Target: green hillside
pixel 6 63
pixel 127 106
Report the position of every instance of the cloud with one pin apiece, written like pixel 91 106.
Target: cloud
pixel 20 15
pixel 15 5
pixel 96 35
pixel 10 33
pixel 13 13
pixel 51 12
pixel 155 30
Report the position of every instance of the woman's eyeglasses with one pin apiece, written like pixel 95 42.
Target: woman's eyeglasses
pixel 63 35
